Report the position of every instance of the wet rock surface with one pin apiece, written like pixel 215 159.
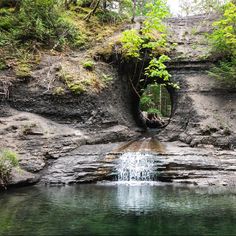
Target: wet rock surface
pixel 172 163
pixel 39 141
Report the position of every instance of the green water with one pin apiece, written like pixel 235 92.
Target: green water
pixel 118 210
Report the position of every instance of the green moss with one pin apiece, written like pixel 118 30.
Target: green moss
pixel 194 46
pixel 89 65
pixel 3 65
pixel 194 31
pixel 58 91
pixel 204 56
pixel 77 87
pixel 106 78
pixel 23 71
pixel 106 52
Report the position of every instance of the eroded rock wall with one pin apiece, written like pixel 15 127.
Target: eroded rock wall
pixel 204 110
pixel 47 130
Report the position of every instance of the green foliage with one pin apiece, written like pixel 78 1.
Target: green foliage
pixel 131 43
pixel 149 99
pixel 23 70
pixel 8 160
pixel 3 65
pixel 40 22
pixel 157 68
pixel 154 111
pixel 156 13
pixel 106 16
pixel 157 71
pixel 153 34
pixel 75 86
pixel 58 91
pixel 195 7
pixel 126 7
pixel 7 20
pixel 151 41
pixel 225 73
pixel 223 39
pixel 224 34
pixel 89 65
pixel 106 78
pixel 145 101
pixel 7 24
pixel 10 156
pixel 156 100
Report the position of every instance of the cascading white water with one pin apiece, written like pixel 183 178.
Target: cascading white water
pixel 136 166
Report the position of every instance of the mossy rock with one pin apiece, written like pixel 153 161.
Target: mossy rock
pixel 23 71
pixel 59 91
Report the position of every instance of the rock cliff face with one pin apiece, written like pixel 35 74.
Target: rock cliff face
pixel 42 126
pixel 204 111
pixel 57 136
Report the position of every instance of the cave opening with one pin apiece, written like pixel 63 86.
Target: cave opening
pixel 154 106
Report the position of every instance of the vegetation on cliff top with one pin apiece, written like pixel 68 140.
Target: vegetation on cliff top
pixel 30 28
pixel 223 39
pixel 47 24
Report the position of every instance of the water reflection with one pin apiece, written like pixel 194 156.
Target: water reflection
pixel 118 209
pixel 137 198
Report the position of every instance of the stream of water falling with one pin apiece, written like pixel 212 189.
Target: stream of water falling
pixel 136 166
pixel 137 163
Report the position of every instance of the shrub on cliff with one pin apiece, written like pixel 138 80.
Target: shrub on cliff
pixel 8 160
pixel 224 42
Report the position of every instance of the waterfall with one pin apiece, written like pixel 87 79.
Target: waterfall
pixel 136 166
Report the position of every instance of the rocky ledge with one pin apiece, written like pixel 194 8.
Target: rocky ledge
pixel 172 163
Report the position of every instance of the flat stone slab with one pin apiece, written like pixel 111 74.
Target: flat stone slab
pixel 173 163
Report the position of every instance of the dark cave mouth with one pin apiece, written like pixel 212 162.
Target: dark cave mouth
pixel 155 106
